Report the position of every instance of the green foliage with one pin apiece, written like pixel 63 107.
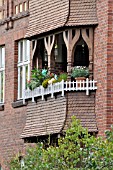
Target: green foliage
pixel 80 71
pixel 62 76
pixel 45 83
pixel 37 77
pixel 77 150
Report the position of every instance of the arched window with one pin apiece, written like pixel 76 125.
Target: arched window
pixel 81 53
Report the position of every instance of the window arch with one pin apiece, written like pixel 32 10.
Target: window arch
pixel 81 53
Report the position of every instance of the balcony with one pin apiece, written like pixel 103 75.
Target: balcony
pixel 79 85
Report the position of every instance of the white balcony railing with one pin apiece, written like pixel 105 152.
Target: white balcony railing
pixel 81 85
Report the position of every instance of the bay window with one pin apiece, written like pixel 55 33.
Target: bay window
pixel 23 66
pixel 2 73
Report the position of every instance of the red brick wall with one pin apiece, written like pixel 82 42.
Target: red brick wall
pixel 100 64
pixel 110 65
pixel 103 65
pixel 12 120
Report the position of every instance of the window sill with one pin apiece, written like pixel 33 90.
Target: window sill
pixel 1 107
pixel 18 103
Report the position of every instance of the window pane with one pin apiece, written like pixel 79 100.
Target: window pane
pixel 27 50
pixel 16 9
pixel 1 15
pixel 1 2
pixel 1 86
pixel 21 51
pixel 20 81
pixel 26 76
pixel 0 58
pixel 3 56
pixel 20 7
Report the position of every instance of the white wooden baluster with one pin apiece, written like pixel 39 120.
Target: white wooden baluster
pixel 91 84
pixel 87 85
pixel 51 90
pixel 62 87
pixel 73 85
pixel 76 85
pixel 33 96
pixel 42 92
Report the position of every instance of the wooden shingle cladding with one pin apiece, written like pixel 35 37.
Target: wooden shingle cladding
pixel 83 107
pixel 53 115
pixel 82 12
pixel 45 117
pixel 47 15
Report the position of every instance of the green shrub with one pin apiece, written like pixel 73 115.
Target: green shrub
pixel 78 150
pixel 80 71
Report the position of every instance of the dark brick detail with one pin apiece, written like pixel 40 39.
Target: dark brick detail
pixel 1 107
pixel 18 103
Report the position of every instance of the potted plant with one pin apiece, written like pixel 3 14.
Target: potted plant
pixel 80 72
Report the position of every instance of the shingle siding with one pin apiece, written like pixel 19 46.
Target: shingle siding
pixel 54 115
pixel 45 117
pixel 82 12
pixel 83 107
pixel 48 15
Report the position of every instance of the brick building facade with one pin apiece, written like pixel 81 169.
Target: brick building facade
pixel 25 28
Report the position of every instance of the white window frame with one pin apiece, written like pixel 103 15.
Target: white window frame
pixel 2 70
pixel 22 64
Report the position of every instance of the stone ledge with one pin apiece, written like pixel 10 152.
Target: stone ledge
pixel 18 103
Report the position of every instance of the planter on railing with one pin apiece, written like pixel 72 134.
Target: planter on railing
pixel 82 85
